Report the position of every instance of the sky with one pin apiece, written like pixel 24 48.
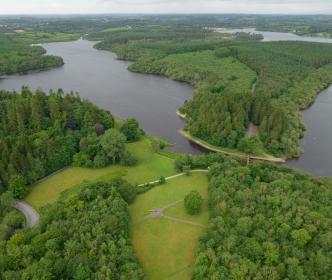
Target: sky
pixel 165 6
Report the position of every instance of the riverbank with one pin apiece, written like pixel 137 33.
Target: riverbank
pixel 225 151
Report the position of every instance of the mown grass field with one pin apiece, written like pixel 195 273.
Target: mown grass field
pixel 166 248
pixel 151 166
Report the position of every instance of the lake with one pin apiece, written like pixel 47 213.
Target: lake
pixel 100 77
pixel 153 100
pixel 279 36
pixel 317 141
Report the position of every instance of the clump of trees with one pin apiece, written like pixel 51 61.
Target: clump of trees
pixel 193 202
pixel 131 130
pixel 84 237
pixel 267 222
pixel 100 151
pixel 250 145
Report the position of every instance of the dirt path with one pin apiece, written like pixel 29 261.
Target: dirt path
pixel 174 176
pixel 159 212
pixel 31 215
pixel 222 151
pixel 252 130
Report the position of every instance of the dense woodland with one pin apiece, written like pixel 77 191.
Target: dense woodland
pixel 18 55
pixel 86 236
pixel 40 134
pixel 238 80
pixel 267 222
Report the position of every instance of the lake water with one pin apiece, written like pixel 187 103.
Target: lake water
pixel 317 141
pixel 153 100
pixel 100 77
pixel 279 36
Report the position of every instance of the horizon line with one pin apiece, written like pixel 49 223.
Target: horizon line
pixel 161 13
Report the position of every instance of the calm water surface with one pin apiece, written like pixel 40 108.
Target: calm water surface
pixel 153 100
pixel 317 141
pixel 279 36
pixel 98 76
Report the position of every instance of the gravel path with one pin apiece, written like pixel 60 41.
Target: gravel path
pixel 31 215
pixel 174 176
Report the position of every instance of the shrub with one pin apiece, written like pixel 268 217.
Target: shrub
pixel 162 180
pixel 193 202
pixel 128 159
pixel 17 186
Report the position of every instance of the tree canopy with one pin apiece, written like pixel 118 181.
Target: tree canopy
pixel 267 222
pixel 193 202
pixel 86 236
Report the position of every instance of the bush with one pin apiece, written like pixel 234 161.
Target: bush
pixel 131 130
pixel 100 161
pixel 14 219
pixel 162 180
pixel 186 170
pixel 127 191
pixel 250 145
pixel 82 160
pixel 17 186
pixel 193 202
pixel 128 159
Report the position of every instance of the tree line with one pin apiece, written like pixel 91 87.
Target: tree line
pixel 17 55
pixel 86 236
pixel 266 222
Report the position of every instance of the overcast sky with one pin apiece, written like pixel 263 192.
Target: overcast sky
pixel 165 6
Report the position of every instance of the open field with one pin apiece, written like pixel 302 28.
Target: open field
pixel 166 248
pixel 151 166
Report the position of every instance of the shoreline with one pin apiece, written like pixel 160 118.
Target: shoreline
pixel 212 148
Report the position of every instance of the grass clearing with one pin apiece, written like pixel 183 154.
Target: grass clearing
pixel 166 248
pixel 151 166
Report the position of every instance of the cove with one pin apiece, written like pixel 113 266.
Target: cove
pixel 98 76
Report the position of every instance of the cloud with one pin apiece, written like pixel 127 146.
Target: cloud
pixel 165 6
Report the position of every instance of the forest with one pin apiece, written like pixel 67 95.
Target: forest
pixel 267 222
pixel 239 79
pixel 19 55
pixel 41 134
pixel 86 236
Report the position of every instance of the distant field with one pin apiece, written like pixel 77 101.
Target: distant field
pixel 166 248
pixel 151 166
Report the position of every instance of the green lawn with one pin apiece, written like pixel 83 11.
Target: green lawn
pixel 166 248
pixel 151 166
